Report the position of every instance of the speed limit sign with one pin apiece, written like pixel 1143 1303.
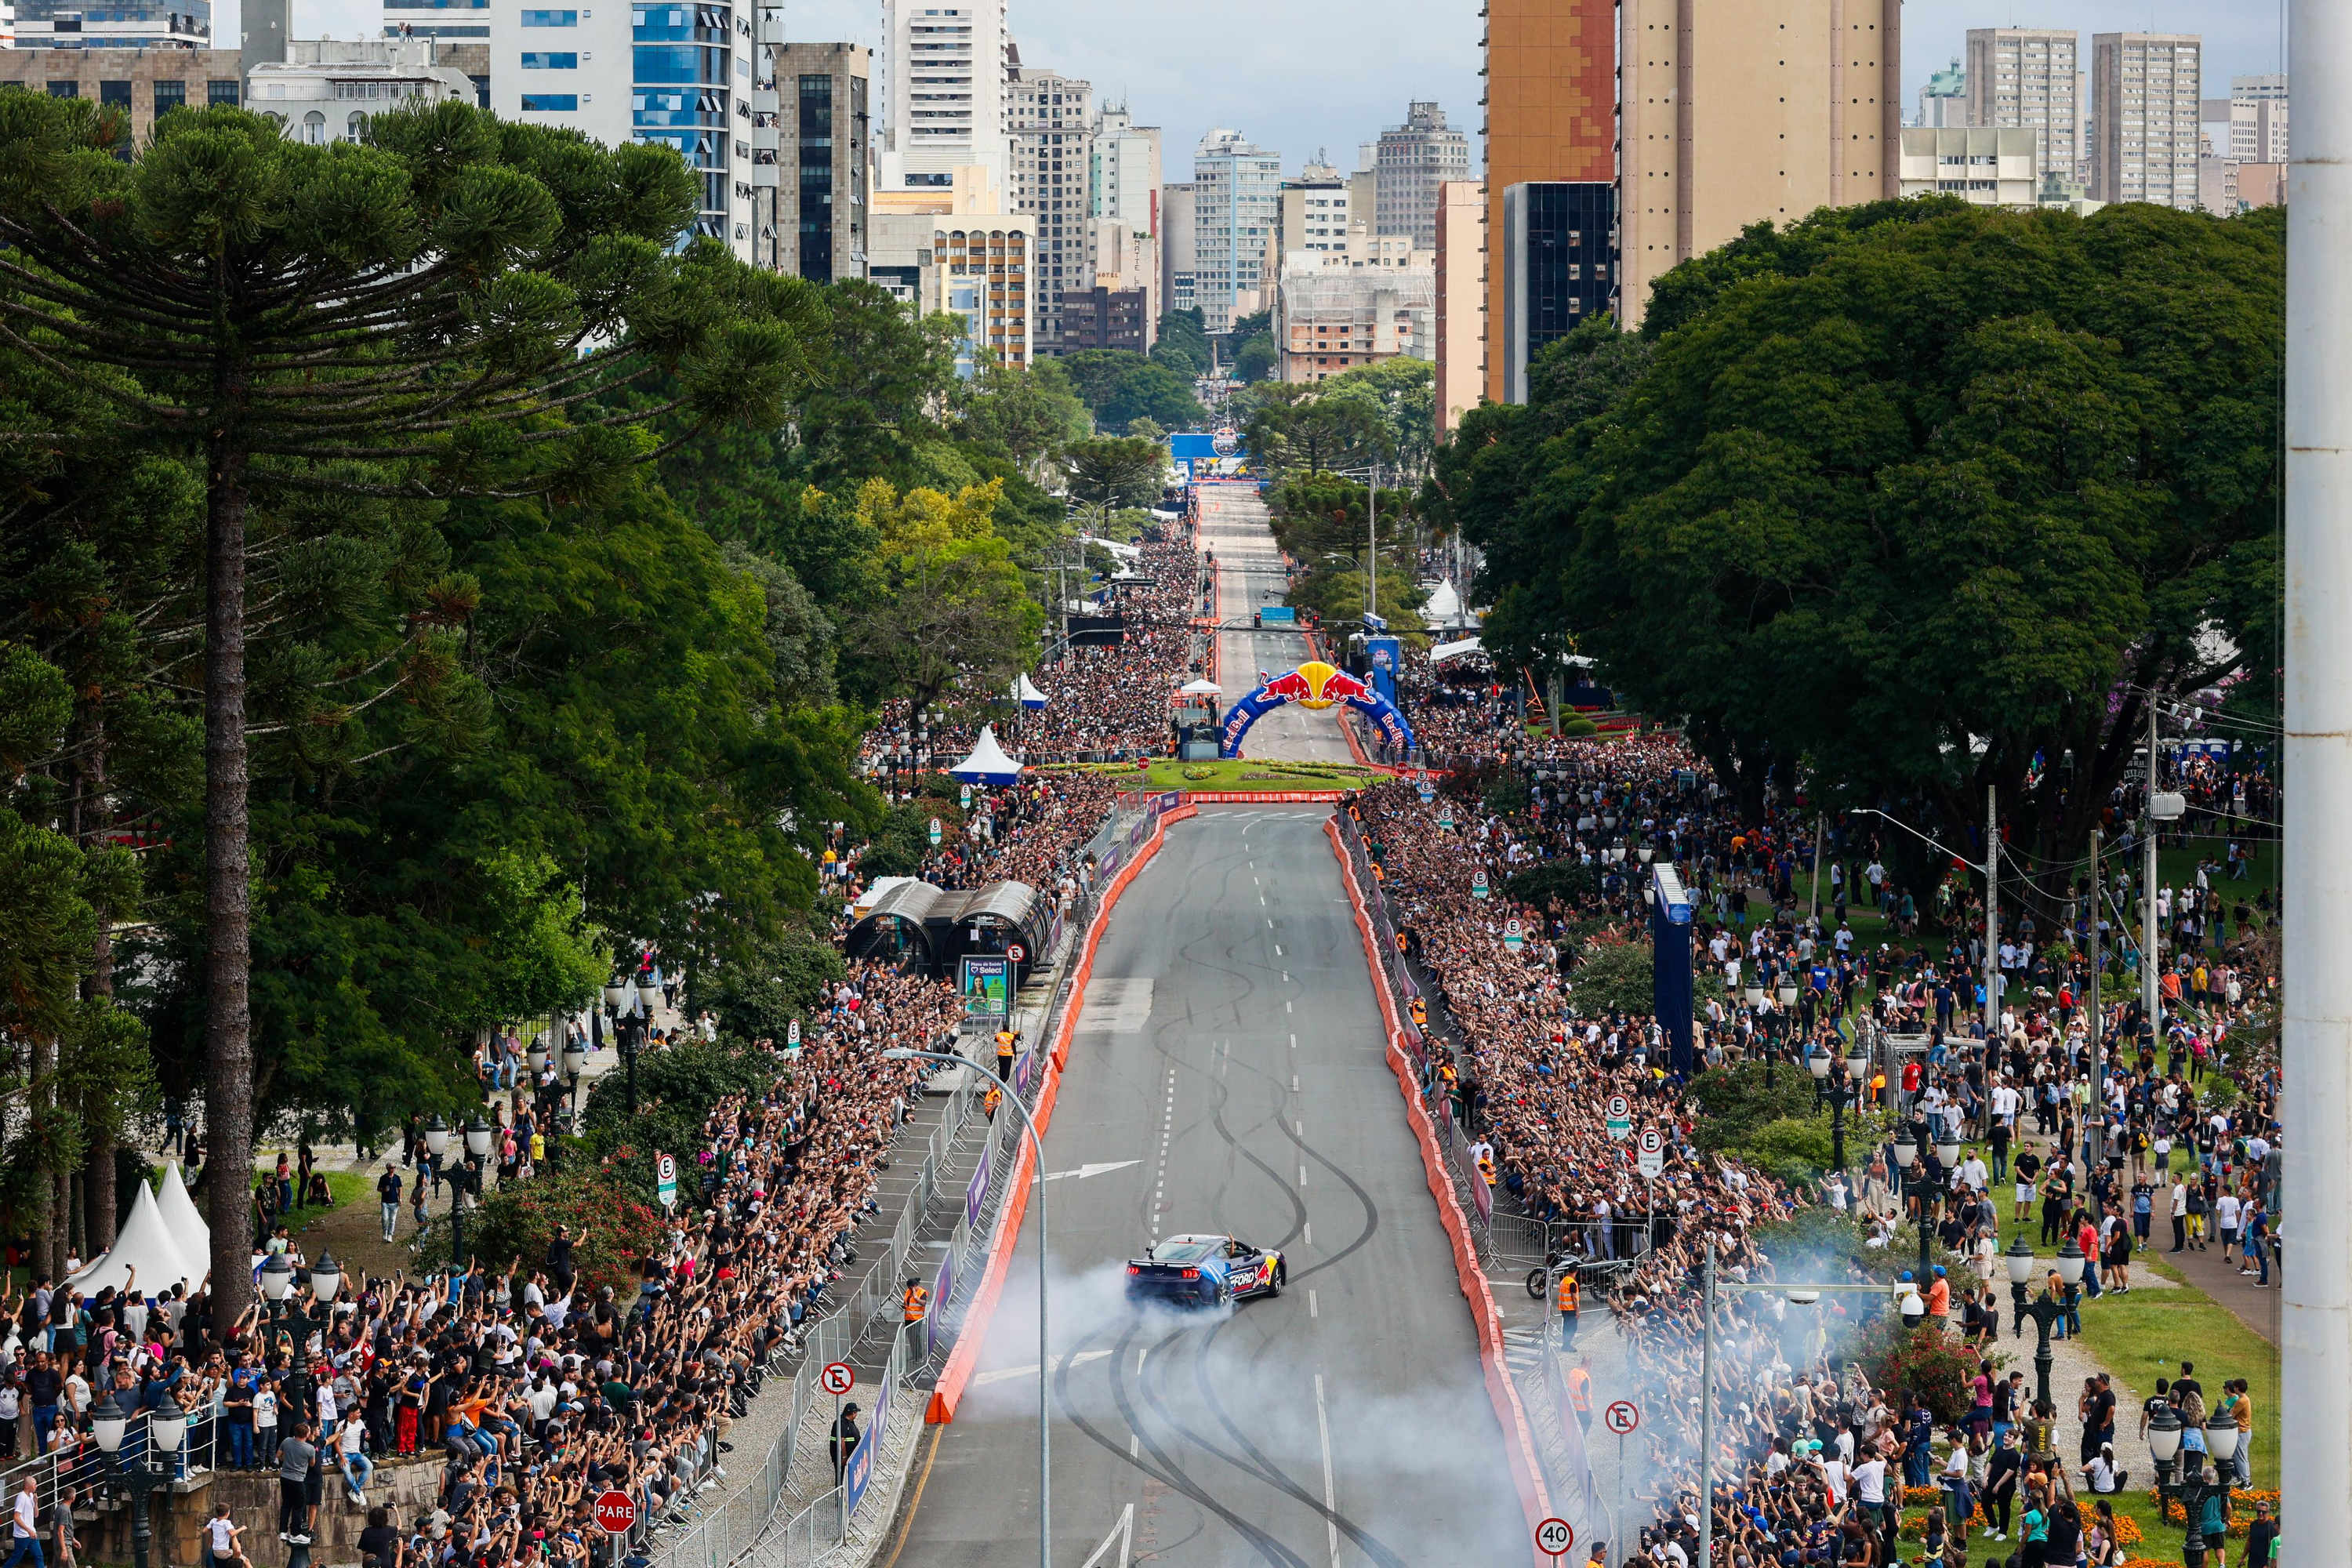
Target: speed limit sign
pixel 1015 951
pixel 838 1378
pixel 1623 1415
pixel 1554 1536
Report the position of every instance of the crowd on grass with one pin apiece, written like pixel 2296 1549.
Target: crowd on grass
pixel 1814 1460
pixel 1103 701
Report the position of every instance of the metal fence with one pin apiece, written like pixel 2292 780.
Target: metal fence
pixel 81 1463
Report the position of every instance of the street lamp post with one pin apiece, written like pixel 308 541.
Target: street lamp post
pixel 2046 1311
pixel 1831 1083
pixel 2190 1488
pixel 142 1476
pixel 1045 1361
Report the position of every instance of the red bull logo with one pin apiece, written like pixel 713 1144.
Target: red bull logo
pixel 1316 685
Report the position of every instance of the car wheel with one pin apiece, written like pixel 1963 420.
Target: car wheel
pixel 1281 1273
pixel 1224 1292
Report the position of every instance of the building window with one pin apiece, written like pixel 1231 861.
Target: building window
pixel 550 102
pixel 551 19
pixel 220 89
pixel 169 96
pixel 314 129
pixel 355 128
pixel 64 90
pixel 551 61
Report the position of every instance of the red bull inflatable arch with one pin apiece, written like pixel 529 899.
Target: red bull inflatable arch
pixel 1313 685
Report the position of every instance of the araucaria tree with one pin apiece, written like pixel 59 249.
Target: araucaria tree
pixel 447 309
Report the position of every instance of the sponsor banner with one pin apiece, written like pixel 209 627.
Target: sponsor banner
pixel 975 1193
pixel 942 1287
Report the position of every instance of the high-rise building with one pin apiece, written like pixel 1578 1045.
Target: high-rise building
pixel 1458 349
pixel 1739 113
pixel 116 24
pixel 1551 106
pixel 1331 317
pixel 1050 125
pixel 1557 251
pixel 1943 100
pixel 2257 120
pixel 2144 91
pixel 1237 204
pixel 1180 211
pixel 2029 78
pixel 1123 239
pixel 1412 161
pixel 1315 211
pixel 945 69
pixel 819 228
pixel 960 250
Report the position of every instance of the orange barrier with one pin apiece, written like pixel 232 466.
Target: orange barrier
pixel 1519 1441
pixel 962 1360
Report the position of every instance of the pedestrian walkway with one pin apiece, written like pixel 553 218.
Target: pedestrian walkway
pixel 2257 1308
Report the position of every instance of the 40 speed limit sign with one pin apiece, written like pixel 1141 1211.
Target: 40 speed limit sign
pixel 1554 1536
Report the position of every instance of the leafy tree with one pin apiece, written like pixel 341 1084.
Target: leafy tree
pixel 1740 1099
pixel 1405 390
pixel 1031 415
pixel 1249 347
pixel 1121 387
pixel 952 601
pixel 876 375
pixel 1181 344
pixel 1117 471
pixel 1292 427
pixel 423 307
pixel 1566 881
pixel 758 994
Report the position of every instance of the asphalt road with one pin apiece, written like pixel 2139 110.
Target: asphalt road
pixel 1227 1078
pixel 1249 577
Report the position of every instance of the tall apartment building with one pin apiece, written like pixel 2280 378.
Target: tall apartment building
pixel 114 25
pixel 1315 212
pixel 945 69
pixel 699 76
pixel 2145 89
pixel 1736 112
pixel 1237 204
pixel 1410 162
pixel 2030 78
pixel 1123 239
pixel 147 82
pixel 1180 211
pixel 1459 270
pixel 2257 119
pixel 1551 114
pixel 819 230
pixel 1943 100
pixel 1049 122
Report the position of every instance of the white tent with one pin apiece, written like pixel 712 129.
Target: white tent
pixel 1446 650
pixel 181 1220
pixel 987 763
pixel 1204 688
pixel 1444 606
pixel 1124 552
pixel 145 1243
pixel 1026 694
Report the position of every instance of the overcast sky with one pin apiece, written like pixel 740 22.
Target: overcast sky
pixel 1297 75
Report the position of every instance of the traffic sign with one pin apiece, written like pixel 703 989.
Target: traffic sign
pixel 1652 1158
pixel 1478 884
pixel 665 1180
pixel 792 1036
pixel 1621 1117
pixel 1514 935
pixel 837 1378
pixel 1015 951
pixel 1622 1416
pixel 966 797
pixel 1427 793
pixel 616 1512
pixel 1554 1536
pixel 935 833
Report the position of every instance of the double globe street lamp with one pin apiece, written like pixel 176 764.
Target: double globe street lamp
pixel 631 1028
pixel 147 1469
pixel 467 1179
pixel 2190 1488
pixel 2046 1311
pixel 1909 1139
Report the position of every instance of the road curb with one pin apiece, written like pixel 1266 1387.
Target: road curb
pixel 1527 1472
pixel 947 1393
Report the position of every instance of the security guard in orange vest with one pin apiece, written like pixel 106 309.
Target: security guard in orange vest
pixel 1006 1040
pixel 1580 1390
pixel 1420 1013
pixel 991 1100
pixel 918 1301
pixel 1565 1296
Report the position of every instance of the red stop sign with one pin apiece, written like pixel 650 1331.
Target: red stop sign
pixel 616 1512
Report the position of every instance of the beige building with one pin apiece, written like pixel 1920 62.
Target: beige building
pixel 1458 346
pixel 1982 165
pixel 1316 211
pixel 2145 101
pixel 1331 317
pixel 2030 78
pixel 1733 113
pixel 147 82
pixel 959 250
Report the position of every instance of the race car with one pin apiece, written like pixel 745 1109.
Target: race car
pixel 1204 1272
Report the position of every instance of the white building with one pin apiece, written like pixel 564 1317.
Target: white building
pixel 1049 121
pixel 2029 77
pixel 114 25
pixel 1983 166
pixel 1410 161
pixel 1237 206
pixel 327 90
pixel 944 75
pixel 2257 119
pixel 1943 99
pixel 1180 279
pixel 2145 97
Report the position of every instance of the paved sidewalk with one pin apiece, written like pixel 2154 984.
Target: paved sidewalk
pixel 2257 1308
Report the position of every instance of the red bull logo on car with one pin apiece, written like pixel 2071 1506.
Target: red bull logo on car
pixel 1314 685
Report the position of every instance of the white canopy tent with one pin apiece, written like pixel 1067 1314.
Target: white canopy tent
pixel 1443 611
pixel 1446 650
pixel 181 1219
pixel 1204 688
pixel 1124 552
pixel 1026 694
pixel 145 1243
pixel 987 763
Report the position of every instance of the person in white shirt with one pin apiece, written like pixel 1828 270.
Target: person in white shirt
pixel 350 1450
pixel 27 1530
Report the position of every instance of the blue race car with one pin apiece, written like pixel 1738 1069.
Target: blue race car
pixel 1204 1272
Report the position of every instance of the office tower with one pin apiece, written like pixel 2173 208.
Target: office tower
pixel 1556 267
pixel 818 230
pixel 1943 100
pixel 1124 179
pixel 2029 78
pixel 1551 102
pixel 944 74
pixel 2144 91
pixel 1050 125
pixel 961 249
pixel 1412 161
pixel 1237 204
pixel 1458 345
pixel 1180 209
pixel 2257 120
pixel 1742 112
pixel 117 24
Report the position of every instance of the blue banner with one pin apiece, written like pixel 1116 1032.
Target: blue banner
pixel 1314 685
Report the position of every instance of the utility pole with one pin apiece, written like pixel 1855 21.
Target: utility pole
pixel 1372 556
pixel 1992 913
pixel 2098 912
pixel 2315 1010
pixel 1814 902
pixel 2149 996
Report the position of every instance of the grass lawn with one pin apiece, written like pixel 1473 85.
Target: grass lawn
pixel 2143 1339
pixel 1243 773
pixel 348 1187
